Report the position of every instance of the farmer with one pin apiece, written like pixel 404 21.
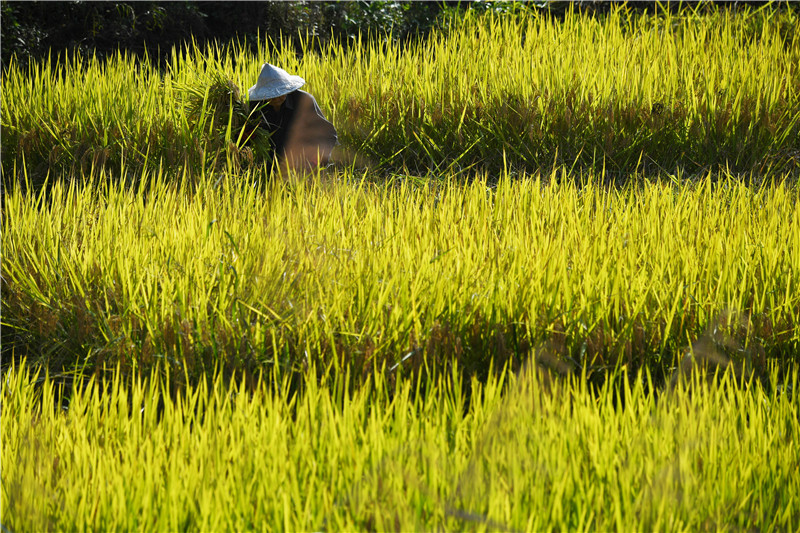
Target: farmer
pixel 300 135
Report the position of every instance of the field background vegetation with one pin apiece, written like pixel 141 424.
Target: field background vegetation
pixel 549 281
pixel 620 93
pixel 130 455
pixel 350 273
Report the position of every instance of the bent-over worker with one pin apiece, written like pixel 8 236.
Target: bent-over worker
pixel 300 135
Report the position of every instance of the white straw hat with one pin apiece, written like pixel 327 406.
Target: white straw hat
pixel 274 82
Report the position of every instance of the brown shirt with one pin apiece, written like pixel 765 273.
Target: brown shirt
pixel 300 134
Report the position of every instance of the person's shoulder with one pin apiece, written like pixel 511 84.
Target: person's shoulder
pixel 304 96
pixel 298 98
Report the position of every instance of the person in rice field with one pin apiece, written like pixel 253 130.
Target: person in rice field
pixel 300 135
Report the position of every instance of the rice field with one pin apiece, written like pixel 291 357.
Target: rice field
pixel 550 282
pixel 225 457
pixel 622 93
pixel 352 274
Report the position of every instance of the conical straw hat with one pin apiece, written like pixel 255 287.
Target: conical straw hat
pixel 274 82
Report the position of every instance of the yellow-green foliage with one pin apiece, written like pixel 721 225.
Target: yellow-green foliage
pixel 127 455
pixel 339 271
pixel 631 91
pixel 159 246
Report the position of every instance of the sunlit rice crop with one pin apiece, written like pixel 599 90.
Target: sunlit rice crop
pixel 369 275
pixel 128 455
pixel 343 272
pixel 622 91
pixel 579 238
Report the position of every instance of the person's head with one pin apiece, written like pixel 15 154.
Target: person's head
pixel 274 84
pixel 277 102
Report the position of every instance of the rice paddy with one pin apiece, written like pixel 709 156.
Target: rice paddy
pixel 627 92
pixel 348 273
pixel 550 282
pixel 222 457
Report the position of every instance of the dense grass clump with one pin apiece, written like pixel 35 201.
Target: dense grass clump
pixel 621 92
pixel 128 455
pixel 339 272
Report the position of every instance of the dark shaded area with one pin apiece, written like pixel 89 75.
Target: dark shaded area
pixel 31 30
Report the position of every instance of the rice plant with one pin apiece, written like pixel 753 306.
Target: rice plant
pixel 340 272
pixel 622 92
pixel 579 237
pixel 127 454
